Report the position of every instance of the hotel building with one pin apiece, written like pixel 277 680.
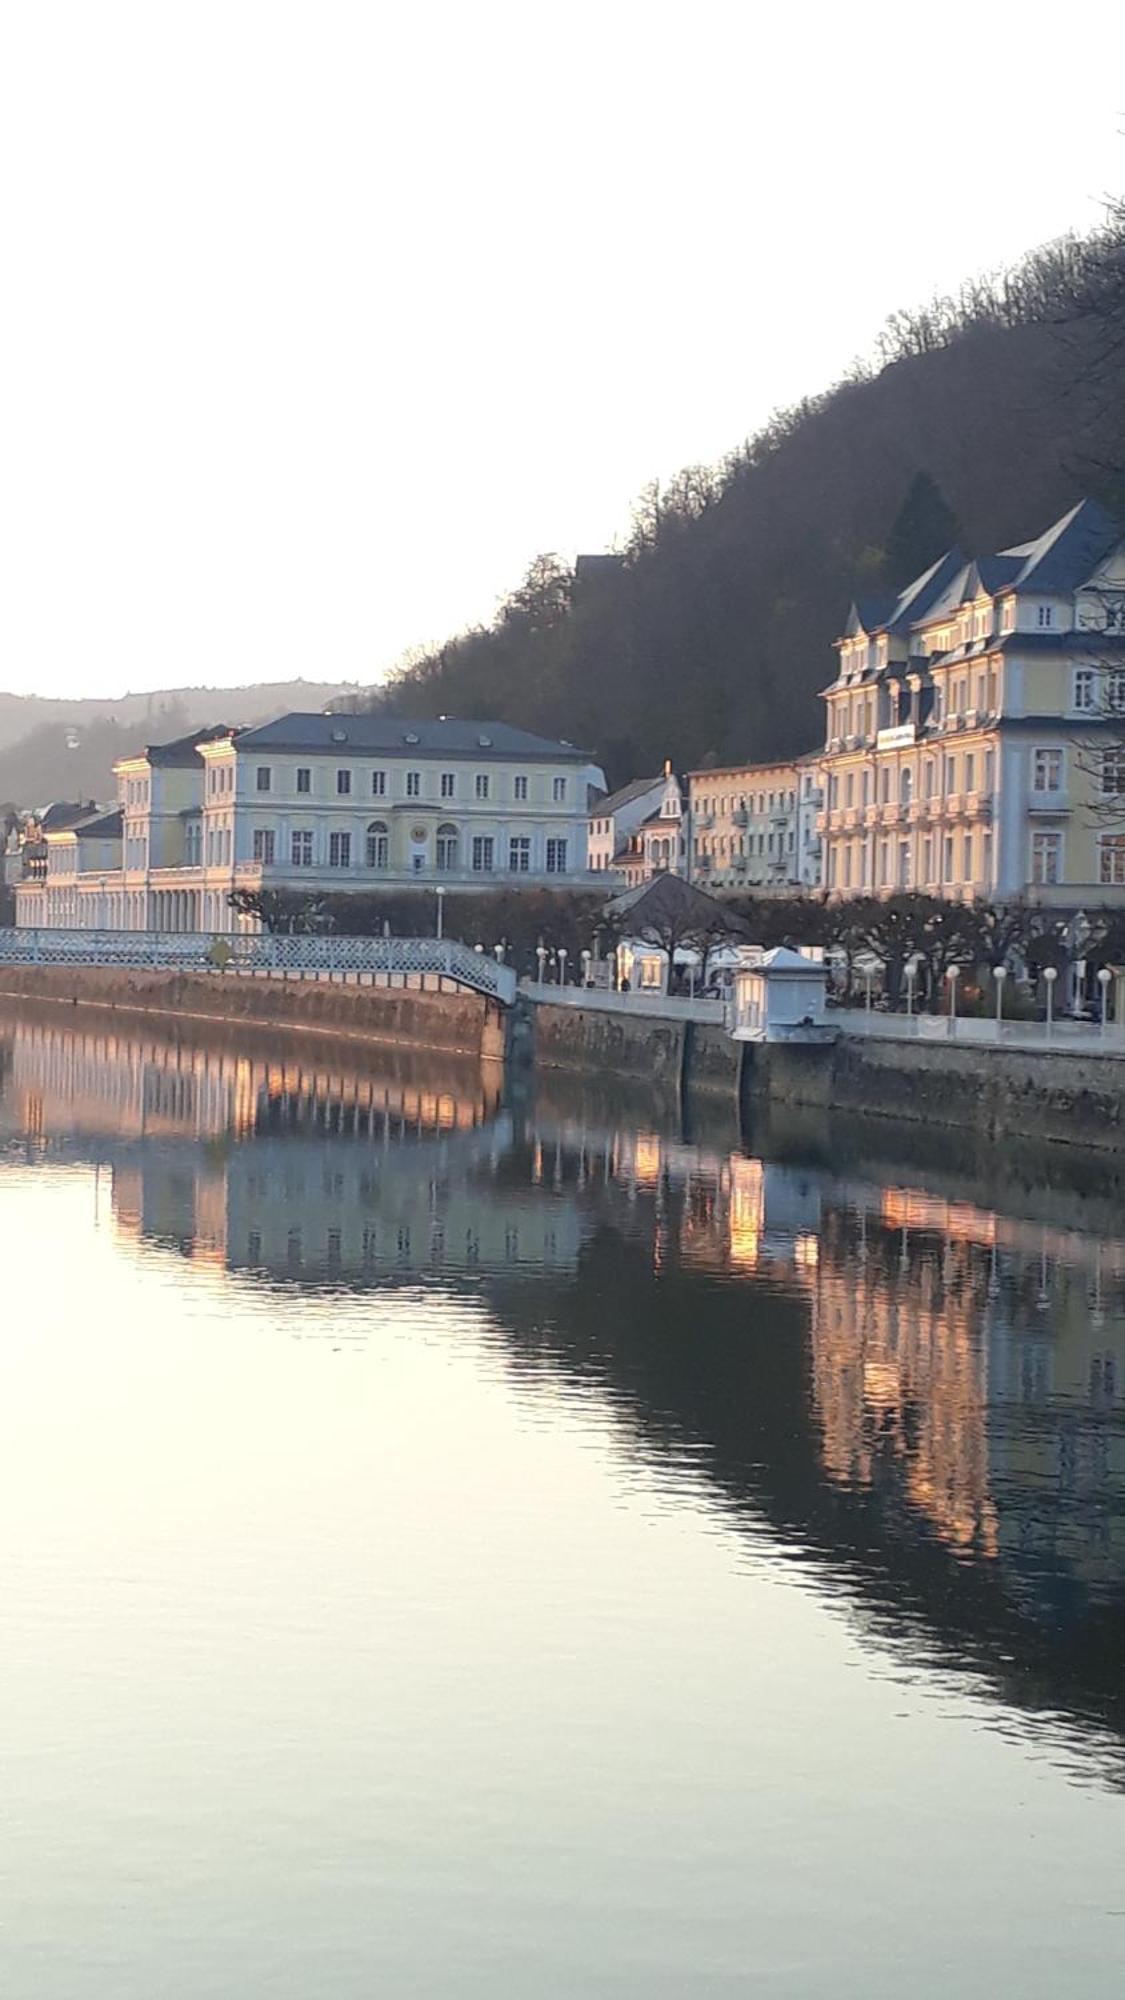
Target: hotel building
pixel 975 740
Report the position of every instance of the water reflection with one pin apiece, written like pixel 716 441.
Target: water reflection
pixel 914 1391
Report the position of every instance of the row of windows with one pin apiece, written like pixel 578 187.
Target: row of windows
pixel 956 773
pixel 723 803
pixel 414 785
pixel 483 849
pixel 724 847
pixel 962 863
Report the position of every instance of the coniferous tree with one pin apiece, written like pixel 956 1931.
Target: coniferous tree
pixel 924 527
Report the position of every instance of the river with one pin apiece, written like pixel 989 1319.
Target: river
pixel 555 1549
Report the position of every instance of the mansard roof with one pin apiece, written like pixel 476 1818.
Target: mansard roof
pixel 106 826
pixel 398 736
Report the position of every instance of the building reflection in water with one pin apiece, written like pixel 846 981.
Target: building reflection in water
pixel 956 1374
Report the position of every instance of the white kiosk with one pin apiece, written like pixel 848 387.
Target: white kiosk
pixel 781 999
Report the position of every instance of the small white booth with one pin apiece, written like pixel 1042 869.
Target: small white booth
pixel 781 999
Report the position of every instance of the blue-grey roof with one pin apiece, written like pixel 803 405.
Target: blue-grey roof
pixel 1069 551
pixel 398 736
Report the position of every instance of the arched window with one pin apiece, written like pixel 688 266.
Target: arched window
pixel 446 848
pixel 378 844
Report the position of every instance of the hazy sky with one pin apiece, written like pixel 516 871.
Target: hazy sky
pixel 321 320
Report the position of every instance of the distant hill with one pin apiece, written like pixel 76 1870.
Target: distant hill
pixel 981 420
pixel 67 749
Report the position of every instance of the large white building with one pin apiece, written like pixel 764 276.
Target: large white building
pixel 319 804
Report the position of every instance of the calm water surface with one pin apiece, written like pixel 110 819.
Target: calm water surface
pixel 456 1550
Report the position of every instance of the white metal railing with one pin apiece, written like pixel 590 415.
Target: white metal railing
pixel 654 1006
pixel 260 952
pixel 1063 1037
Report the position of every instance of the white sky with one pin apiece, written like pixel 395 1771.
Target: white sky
pixel 320 320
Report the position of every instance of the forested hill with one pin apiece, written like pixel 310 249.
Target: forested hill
pixel 984 418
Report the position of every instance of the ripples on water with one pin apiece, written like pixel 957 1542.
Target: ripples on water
pixel 457 1549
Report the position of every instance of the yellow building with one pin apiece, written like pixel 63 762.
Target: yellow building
pixel 975 741
pixel 745 831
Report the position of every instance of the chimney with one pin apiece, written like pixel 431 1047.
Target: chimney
pixel 667 767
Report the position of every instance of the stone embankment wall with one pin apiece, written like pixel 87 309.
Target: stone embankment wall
pixel 455 1023
pixel 615 1044
pixel 998 1094
pixel 1073 1099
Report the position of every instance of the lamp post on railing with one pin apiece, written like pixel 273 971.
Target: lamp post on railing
pixel 867 975
pixel 562 964
pixel 911 976
pixel 498 953
pixel 540 958
pixel 586 956
pixel 1050 974
pixel 440 895
pixel 953 975
pixel 1104 977
pixel 999 973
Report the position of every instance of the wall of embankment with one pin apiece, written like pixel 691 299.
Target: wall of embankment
pixel 1069 1098
pixel 454 1023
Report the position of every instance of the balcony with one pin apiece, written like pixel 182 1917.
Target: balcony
pixel 978 805
pixel 822 821
pixel 741 817
pixel 954 804
pixel 1055 801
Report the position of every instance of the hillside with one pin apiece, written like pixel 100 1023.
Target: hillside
pixel 66 749
pixel 984 418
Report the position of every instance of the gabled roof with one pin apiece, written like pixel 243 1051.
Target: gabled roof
pixel 183 751
pixel 867 614
pixel 64 812
pixel 399 736
pixel 636 789
pixel 1068 552
pixel 106 826
pixel 919 600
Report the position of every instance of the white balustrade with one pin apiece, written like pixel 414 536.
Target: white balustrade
pixel 295 956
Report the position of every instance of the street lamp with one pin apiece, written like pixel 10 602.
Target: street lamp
pixel 586 956
pixel 867 976
pixel 953 975
pixel 911 976
pixel 540 958
pixel 999 973
pixel 1050 974
pixel 562 964
pixel 1104 977
pixel 440 894
pixel 498 953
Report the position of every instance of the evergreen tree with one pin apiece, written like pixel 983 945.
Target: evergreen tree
pixel 924 527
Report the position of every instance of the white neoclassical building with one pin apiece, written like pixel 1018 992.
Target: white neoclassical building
pixel 319 804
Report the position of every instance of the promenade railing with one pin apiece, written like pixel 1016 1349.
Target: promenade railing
pixel 355 958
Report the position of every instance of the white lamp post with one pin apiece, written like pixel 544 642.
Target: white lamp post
pixel 540 958
pixel 999 973
pixel 498 953
pixel 440 895
pixel 953 975
pixel 867 975
pixel 562 964
pixel 911 976
pixel 586 956
pixel 1050 974
pixel 1104 977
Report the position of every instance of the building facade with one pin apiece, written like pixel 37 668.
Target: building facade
pixel 616 819
pixel 744 820
pixel 975 740
pixel 320 804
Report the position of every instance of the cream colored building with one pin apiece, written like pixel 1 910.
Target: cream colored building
pixel 975 740
pixel 322 804
pixel 745 827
